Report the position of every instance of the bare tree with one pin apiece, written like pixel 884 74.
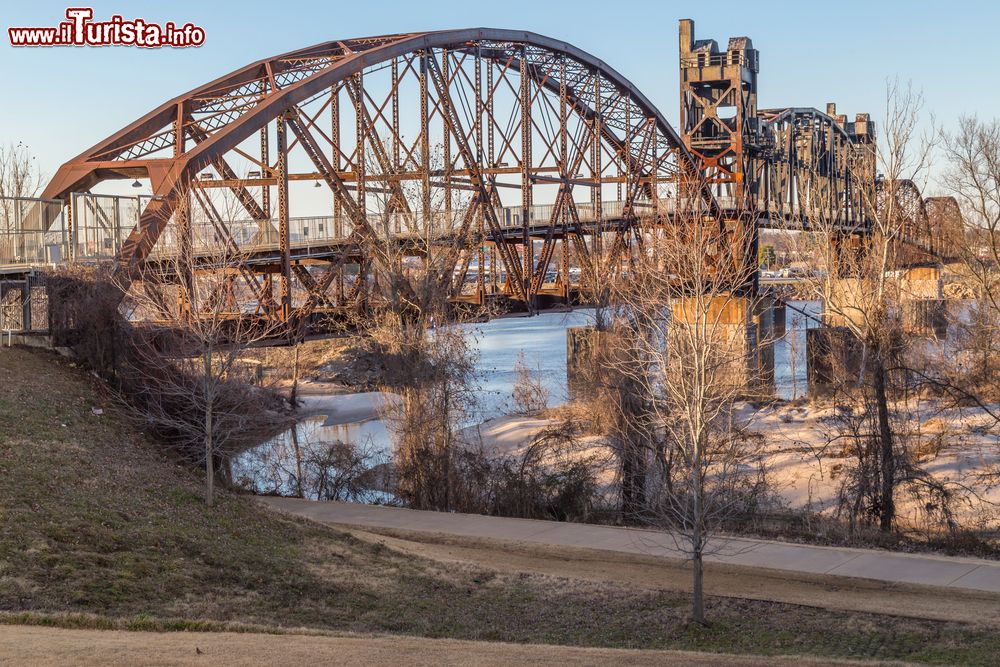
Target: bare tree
pixel 20 178
pixel 413 284
pixel 973 177
pixel 681 339
pixel 19 175
pixel 191 381
pixel 615 404
pixel 600 266
pixel 972 155
pixel 858 277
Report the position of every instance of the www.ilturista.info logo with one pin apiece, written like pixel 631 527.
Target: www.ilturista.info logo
pixel 81 30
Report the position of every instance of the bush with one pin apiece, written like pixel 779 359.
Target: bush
pixel 551 478
pixel 529 394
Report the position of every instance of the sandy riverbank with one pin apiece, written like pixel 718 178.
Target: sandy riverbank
pixel 344 408
pixel 340 405
pixel 804 468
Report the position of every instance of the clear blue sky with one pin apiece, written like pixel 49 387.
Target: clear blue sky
pixel 60 101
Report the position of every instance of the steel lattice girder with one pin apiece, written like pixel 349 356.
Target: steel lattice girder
pixel 222 114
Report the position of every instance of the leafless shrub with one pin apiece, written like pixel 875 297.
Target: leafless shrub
pixel 529 394
pixel 925 503
pixel 553 477
pixel 84 317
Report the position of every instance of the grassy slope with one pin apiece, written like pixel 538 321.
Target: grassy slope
pixel 94 520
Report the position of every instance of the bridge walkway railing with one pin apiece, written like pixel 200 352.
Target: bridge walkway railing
pixel 36 232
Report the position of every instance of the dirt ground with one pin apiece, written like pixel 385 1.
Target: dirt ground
pixel 828 592
pixel 32 645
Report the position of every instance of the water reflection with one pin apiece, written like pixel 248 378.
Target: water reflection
pixel 321 461
pixel 311 455
pixel 790 374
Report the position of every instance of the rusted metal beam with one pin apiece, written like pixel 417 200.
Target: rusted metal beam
pixel 281 169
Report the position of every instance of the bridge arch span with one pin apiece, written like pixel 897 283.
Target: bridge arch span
pixel 513 110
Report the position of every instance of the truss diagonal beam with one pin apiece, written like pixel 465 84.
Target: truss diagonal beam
pixel 484 192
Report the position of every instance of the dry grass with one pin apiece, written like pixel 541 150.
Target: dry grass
pixel 48 646
pixel 94 520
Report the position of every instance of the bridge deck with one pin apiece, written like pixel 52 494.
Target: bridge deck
pixel 96 238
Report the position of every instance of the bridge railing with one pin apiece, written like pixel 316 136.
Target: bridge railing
pixel 305 233
pixel 36 232
pixel 31 231
pixel 705 59
pixel 101 223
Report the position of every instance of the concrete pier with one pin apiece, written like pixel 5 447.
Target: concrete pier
pixel 926 317
pixel 747 331
pixel 833 355
pixel 924 309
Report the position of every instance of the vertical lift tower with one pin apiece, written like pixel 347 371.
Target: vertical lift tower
pixel 720 127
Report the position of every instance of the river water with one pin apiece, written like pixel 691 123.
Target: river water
pixel 272 467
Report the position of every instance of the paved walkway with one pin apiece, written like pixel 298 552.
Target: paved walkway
pixel 954 572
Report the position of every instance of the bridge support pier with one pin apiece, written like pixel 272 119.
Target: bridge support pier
pixel 924 309
pixel 926 317
pixel 778 318
pixel 921 283
pixel 582 344
pixel 833 354
pixel 746 330
pixel 844 307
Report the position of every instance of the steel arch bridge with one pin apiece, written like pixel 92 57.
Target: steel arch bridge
pixel 483 123
pixel 521 157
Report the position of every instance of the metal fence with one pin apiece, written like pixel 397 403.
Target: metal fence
pixel 24 305
pixel 37 232
pixel 32 232
pixel 101 223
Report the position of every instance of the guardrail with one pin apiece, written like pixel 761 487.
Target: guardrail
pixel 31 232
pixel 38 232
pixel 705 59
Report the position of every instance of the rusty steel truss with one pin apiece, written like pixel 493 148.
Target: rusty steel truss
pixel 521 156
pixel 488 121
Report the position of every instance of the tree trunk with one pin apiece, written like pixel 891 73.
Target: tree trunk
pixel 298 462
pixel 633 469
pixel 294 397
pixel 446 454
pixel 697 590
pixel 887 508
pixel 697 545
pixel 209 458
pixel 633 474
pixel 209 445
